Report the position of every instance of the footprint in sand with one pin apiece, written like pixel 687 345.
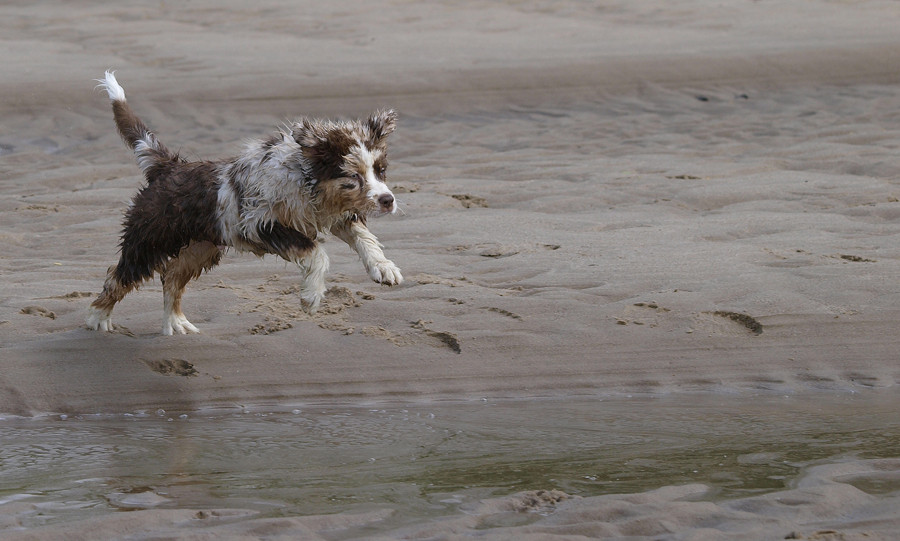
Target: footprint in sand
pixel 38 311
pixel 444 338
pixel 43 208
pixel 642 313
pixel 502 312
pixel 425 279
pixel 384 334
pixel 857 259
pixel 73 295
pixel 437 339
pixel 282 310
pixel 469 201
pixel 496 251
pixel 725 323
pixel 750 323
pixel 172 367
pixel 270 325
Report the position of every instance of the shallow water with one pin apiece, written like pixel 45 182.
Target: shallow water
pixel 427 460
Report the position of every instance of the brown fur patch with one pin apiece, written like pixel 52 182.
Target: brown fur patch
pixel 324 144
pixel 193 260
pixel 285 242
pixel 177 206
pixel 113 292
pixel 381 124
pixel 130 127
pixel 334 199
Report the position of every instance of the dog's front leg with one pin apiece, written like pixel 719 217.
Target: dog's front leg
pixel 358 236
pixel 314 266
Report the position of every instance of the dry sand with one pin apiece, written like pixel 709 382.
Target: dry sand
pixel 598 198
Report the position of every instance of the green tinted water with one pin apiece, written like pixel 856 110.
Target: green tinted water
pixel 426 460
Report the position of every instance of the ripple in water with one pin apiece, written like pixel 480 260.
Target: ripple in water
pixel 428 460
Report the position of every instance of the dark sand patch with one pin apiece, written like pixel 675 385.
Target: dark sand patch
pixel 172 367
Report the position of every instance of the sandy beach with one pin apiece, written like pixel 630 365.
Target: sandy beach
pixel 597 200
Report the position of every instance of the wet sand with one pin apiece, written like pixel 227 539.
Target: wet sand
pixel 598 200
pixel 644 467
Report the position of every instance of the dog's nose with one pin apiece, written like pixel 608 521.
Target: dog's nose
pixel 386 201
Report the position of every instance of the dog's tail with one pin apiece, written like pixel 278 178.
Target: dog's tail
pixel 147 149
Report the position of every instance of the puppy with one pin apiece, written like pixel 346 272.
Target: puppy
pixel 277 197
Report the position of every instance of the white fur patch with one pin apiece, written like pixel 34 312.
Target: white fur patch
pixel 142 151
pixel 99 320
pixel 380 268
pixel 229 211
pixel 312 291
pixel 112 87
pixel 173 323
pixel 377 188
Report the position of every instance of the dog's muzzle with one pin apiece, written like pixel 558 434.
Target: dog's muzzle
pixel 386 203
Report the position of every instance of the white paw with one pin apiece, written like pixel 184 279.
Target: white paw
pixel 310 301
pixel 177 323
pixel 385 272
pixel 99 320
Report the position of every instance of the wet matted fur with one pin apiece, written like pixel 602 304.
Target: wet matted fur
pixel 311 177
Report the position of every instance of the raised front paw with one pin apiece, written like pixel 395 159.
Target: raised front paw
pixel 385 272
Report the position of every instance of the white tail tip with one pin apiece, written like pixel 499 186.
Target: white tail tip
pixel 112 87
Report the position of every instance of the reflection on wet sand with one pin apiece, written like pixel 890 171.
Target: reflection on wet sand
pixel 417 463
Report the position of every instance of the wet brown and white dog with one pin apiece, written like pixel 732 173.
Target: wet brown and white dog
pixel 312 177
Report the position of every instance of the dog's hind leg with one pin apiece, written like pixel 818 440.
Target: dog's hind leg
pixel 192 260
pixel 99 315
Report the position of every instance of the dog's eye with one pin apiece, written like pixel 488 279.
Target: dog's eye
pixel 354 182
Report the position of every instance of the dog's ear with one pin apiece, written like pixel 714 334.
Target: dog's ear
pixel 382 123
pixel 300 131
pixel 309 135
pixel 322 144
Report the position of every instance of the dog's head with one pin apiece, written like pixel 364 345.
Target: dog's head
pixel 348 161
